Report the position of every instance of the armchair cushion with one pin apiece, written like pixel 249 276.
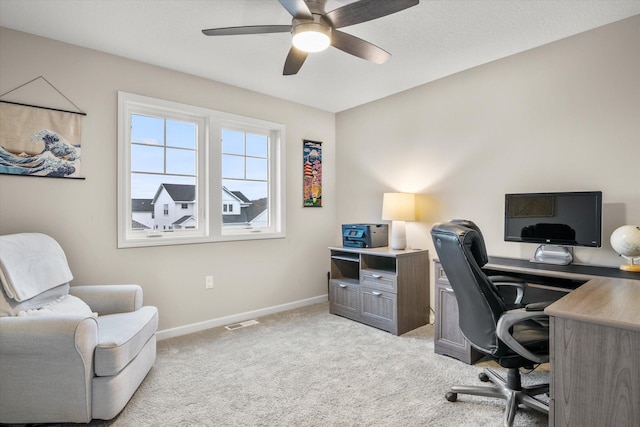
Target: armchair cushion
pixel 31 263
pixel 121 337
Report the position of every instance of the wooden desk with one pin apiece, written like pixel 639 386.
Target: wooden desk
pixel 595 355
pixel 545 283
pixel 595 341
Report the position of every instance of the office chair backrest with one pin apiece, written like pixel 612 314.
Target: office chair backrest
pixel 461 252
pixel 479 249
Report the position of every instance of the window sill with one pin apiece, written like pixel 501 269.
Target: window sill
pixel 168 239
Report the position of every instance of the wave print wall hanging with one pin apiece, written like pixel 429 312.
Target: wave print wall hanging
pixel 39 141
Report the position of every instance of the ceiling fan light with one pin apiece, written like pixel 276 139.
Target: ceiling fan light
pixel 311 37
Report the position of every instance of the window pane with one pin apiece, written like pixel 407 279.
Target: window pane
pixel 255 211
pixel 145 186
pixel 146 158
pixel 181 134
pixel 147 130
pixel 153 206
pixel 257 145
pixel 232 166
pixel 232 142
pixel 252 190
pixel 257 168
pixel 181 162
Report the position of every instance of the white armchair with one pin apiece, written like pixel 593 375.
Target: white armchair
pixel 67 354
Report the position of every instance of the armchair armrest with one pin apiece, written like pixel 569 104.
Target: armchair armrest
pixel 504 281
pixel 47 334
pixel 513 317
pixel 40 356
pixel 110 299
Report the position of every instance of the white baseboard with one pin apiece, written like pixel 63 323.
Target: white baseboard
pixel 235 318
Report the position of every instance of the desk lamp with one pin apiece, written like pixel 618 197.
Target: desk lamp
pixel 626 241
pixel 398 208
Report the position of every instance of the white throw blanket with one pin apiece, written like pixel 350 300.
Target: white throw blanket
pixel 31 263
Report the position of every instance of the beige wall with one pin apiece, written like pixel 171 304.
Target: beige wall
pixel 562 117
pixel 81 215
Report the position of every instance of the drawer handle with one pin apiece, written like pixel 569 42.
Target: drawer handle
pixel 342 285
pixel 448 290
pixel 376 276
pixel 376 293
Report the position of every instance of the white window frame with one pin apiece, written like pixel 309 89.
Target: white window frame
pixel 209 207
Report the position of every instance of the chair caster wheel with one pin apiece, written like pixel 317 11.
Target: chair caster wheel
pixel 451 397
pixel 483 377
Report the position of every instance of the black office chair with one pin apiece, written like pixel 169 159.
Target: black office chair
pixel 514 338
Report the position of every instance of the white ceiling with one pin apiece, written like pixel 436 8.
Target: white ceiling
pixel 429 41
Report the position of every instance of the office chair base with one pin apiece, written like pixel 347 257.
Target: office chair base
pixel 511 390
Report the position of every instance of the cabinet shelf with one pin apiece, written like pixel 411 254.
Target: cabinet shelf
pixel 349 257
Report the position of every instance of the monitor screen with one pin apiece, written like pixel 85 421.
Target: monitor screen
pixel 567 219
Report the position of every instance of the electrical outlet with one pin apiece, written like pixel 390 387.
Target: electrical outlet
pixel 208 282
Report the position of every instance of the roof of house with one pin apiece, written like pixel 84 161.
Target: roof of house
pixel 137 225
pixel 183 220
pixel 240 196
pixel 178 192
pixel 141 205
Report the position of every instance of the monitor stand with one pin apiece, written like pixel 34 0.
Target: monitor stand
pixel 553 254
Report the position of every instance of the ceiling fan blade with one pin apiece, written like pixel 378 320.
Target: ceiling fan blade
pixel 297 8
pixel 252 29
pixel 295 59
pixel 358 47
pixel 366 10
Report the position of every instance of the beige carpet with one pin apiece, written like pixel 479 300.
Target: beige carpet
pixel 307 367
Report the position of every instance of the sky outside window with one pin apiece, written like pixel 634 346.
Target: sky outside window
pixel 162 151
pixel 165 151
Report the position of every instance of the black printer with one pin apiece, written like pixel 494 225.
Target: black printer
pixel 365 235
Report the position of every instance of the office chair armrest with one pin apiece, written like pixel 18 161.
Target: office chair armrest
pixel 503 281
pixel 513 317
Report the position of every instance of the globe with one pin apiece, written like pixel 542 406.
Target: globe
pixel 625 240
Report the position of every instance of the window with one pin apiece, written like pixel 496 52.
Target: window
pixel 188 174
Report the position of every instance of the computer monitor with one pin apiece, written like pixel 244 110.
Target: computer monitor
pixel 561 219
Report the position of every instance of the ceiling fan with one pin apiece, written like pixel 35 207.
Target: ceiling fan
pixel 314 29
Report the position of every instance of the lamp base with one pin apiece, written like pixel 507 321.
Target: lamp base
pixel 398 236
pixel 635 268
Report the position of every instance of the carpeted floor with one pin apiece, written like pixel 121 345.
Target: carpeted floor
pixel 307 367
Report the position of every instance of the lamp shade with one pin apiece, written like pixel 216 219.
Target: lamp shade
pixel 399 207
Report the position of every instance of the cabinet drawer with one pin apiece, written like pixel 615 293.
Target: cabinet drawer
pixel 379 309
pixel 379 280
pixel 343 297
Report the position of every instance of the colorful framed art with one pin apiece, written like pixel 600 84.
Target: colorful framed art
pixel 312 176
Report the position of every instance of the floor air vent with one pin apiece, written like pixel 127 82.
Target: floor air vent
pixel 241 325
